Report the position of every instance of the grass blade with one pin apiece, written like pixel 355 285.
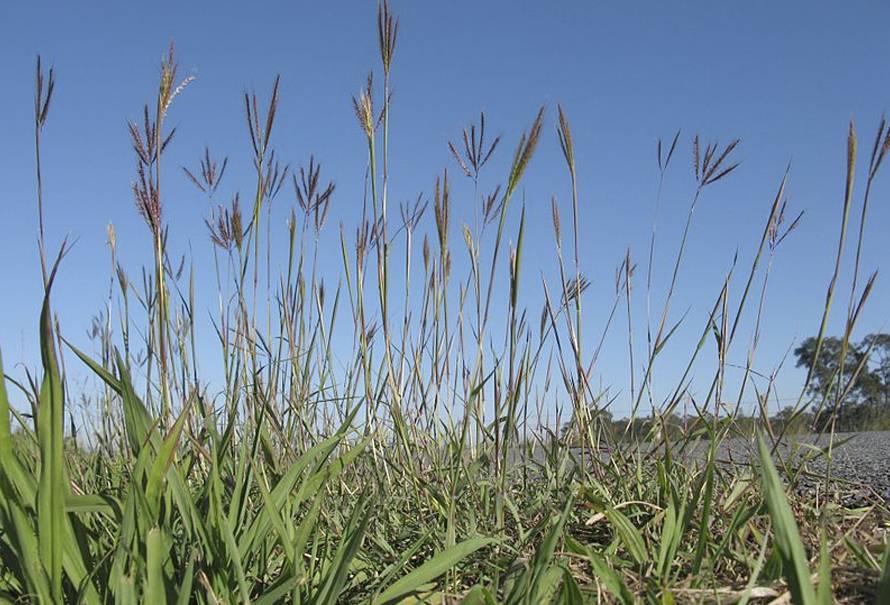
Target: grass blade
pixel 431 570
pixel 51 490
pixel 791 550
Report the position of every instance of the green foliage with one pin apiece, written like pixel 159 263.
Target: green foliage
pixel 853 379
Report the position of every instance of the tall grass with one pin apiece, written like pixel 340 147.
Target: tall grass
pixel 422 469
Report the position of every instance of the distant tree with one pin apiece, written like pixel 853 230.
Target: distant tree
pixel 879 364
pixel 652 426
pixel 865 401
pixel 570 431
pixel 786 421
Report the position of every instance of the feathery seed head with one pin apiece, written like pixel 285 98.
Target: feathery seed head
pixel 412 214
pixel 574 287
pixel 664 161
pixel 426 253
pixel 226 231
pixel 528 142
pixel 475 153
pixel 442 210
pixel 43 93
pixel 261 131
pixel 387 31
pixel 554 213
pixel 112 236
pixel 167 88
pixel 564 133
pixel 274 177
pixel 148 202
pixel 490 205
pixel 882 144
pixel 312 200
pixel 709 166
pixel 209 175
pixel 364 108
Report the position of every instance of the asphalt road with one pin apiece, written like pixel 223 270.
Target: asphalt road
pixel 860 463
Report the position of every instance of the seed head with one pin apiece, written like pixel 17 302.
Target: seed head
pixel 364 108
pixel 387 31
pixel 261 132
pixel 664 161
pixel 709 170
pixel 442 211
pixel 313 200
pixel 43 93
pixel 209 174
pixel 528 142
pixel 554 213
pixel 475 153
pixel 565 139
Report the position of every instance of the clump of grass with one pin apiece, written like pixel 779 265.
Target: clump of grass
pixel 424 468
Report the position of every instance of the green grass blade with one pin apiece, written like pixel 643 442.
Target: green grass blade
pixel 5 432
pixel 478 595
pixel 610 578
pixel 430 570
pixel 571 592
pixel 791 549
pixel 823 594
pixel 20 480
pixel 26 545
pixel 276 593
pixel 51 488
pixel 185 587
pixel 101 372
pixel 348 548
pixel 86 503
pixel 671 534
pixel 154 577
pixel 883 590
pixel 163 460
pixel 126 591
pixel 630 536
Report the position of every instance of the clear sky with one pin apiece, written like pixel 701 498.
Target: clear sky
pixel 785 77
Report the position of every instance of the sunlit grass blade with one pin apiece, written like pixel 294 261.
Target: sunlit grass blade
pixel 154 576
pixel 794 557
pixel 630 536
pixel 430 570
pixel 51 490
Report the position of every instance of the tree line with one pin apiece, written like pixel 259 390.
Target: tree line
pixel 848 386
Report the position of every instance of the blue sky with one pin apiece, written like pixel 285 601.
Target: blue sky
pixel 784 77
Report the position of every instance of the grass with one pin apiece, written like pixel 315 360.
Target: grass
pixel 421 471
